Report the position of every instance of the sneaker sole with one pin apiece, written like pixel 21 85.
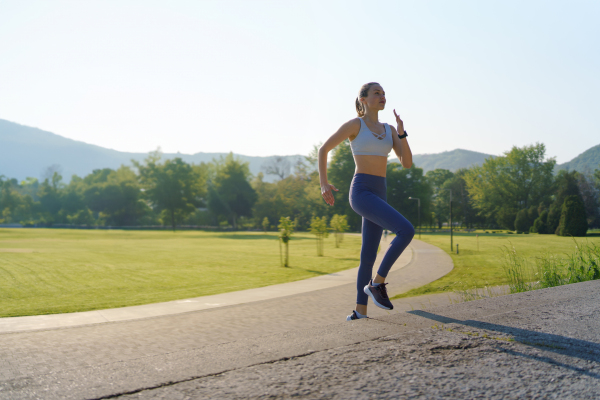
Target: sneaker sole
pixel 368 292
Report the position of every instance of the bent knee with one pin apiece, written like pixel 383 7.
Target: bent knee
pixel 407 231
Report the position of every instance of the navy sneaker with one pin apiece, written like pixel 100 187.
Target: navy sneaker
pixel 354 316
pixel 379 295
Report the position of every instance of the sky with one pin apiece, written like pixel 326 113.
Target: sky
pixel 278 77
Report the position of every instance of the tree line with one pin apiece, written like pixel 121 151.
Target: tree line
pixel 517 191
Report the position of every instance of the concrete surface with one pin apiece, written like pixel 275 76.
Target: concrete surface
pixel 541 344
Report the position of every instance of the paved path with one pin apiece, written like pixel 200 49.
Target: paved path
pixel 420 272
pixel 536 345
pixel 100 359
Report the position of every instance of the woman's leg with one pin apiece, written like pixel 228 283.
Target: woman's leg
pixel 380 213
pixel 404 234
pixel 371 236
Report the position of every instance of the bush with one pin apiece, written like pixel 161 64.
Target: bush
pixel 573 219
pixel 339 224
pixel 553 218
pixel 318 227
pixel 540 225
pixel 522 221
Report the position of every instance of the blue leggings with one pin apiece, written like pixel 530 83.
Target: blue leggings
pixel 368 198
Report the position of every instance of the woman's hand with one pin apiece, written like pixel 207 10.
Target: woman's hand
pixel 399 123
pixel 326 192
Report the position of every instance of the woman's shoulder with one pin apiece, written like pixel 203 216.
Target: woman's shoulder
pixel 352 127
pixel 392 128
pixel 353 123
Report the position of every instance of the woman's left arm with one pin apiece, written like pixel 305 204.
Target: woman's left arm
pixel 401 147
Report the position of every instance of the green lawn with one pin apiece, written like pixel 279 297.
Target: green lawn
pixel 483 267
pixel 47 271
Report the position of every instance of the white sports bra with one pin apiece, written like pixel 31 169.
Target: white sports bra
pixel 368 143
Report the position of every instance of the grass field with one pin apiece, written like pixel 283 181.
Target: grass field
pixel 482 267
pixel 47 271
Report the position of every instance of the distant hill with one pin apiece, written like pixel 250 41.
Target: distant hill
pixel 589 160
pixel 450 160
pixel 28 152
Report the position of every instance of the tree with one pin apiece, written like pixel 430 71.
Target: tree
pixel 114 196
pixel 50 197
pixel 504 185
pixel 573 221
pixel 340 173
pixel 441 196
pixel 230 194
pixel 566 184
pixel 339 224
pixel 403 183
pixel 171 187
pixel 279 166
pixel 590 194
pixel 522 221
pixel 14 206
pixel 265 224
pixel 539 225
pixel 525 219
pixel 286 229
pixel 318 227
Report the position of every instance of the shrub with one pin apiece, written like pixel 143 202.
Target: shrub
pixel 286 229
pixel 522 221
pixel 540 225
pixel 339 224
pixel 553 218
pixel 573 219
pixel 318 227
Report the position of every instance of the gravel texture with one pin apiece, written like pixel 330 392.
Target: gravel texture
pixel 448 362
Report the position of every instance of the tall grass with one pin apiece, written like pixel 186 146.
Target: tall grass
pixel 551 270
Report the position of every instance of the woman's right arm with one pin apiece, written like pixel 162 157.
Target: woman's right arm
pixel 350 128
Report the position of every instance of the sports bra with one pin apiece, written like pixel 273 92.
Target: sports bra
pixel 368 143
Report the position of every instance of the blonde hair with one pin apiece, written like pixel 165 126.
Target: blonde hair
pixel 363 92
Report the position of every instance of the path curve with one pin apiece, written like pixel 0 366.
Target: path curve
pixel 420 264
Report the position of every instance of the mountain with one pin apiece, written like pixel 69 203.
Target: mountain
pixel 451 160
pixel 28 152
pixel 589 160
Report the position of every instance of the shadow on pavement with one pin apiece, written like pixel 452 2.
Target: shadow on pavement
pixel 583 349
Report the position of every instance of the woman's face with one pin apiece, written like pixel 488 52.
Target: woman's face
pixel 375 98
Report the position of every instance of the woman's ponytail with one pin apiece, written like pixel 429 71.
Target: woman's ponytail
pixel 364 92
pixel 359 108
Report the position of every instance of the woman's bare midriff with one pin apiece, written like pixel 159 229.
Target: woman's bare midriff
pixel 372 165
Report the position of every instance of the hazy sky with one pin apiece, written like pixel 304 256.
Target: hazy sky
pixel 277 77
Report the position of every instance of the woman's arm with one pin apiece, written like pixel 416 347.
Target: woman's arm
pixel 401 147
pixel 350 128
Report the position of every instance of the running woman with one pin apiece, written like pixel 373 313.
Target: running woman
pixel 371 142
